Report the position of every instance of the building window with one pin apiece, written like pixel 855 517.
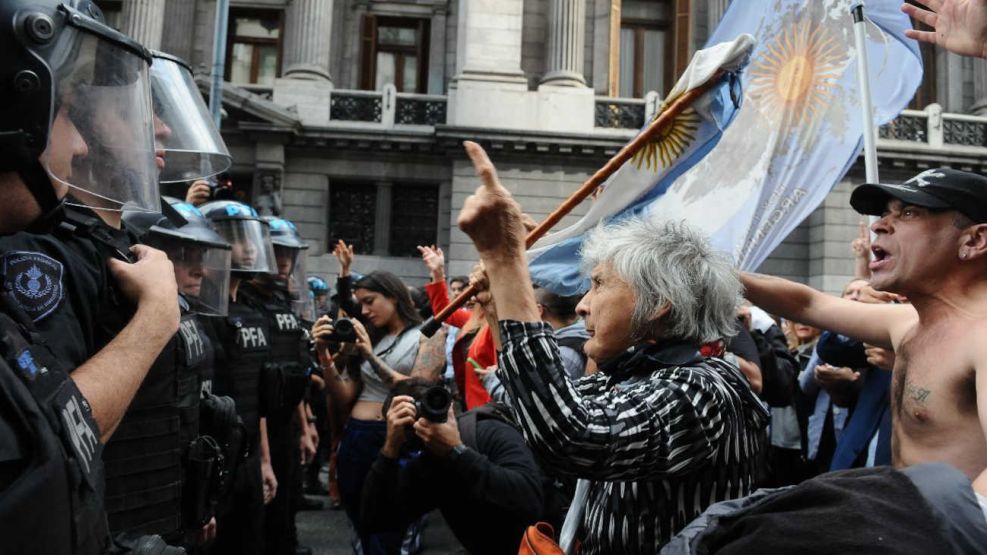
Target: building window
pixel 386 219
pixel 253 54
pixel 394 50
pixel 352 215
pixel 645 58
pixel 414 218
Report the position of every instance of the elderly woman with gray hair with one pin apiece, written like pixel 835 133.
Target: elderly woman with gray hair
pixel 660 432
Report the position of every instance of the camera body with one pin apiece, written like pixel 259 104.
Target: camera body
pixel 221 188
pixel 343 332
pixel 432 402
pixel 433 405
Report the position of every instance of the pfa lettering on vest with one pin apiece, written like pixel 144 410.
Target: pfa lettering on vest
pixel 286 321
pixel 252 337
pixel 194 348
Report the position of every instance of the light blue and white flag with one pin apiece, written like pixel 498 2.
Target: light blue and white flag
pixel 799 131
pixel 647 176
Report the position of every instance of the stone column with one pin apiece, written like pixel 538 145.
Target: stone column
pixel 979 87
pixel 566 36
pixel 489 41
pixel 307 36
pixel 143 20
pixel 176 38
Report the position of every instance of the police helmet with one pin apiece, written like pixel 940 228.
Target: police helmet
pixel 291 254
pixel 200 255
pixel 193 147
pixel 250 237
pixel 75 106
pixel 318 286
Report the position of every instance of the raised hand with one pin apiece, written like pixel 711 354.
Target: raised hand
pixel 434 260
pixel 959 26
pixel 861 245
pixel 343 253
pixel 491 216
pixel 198 193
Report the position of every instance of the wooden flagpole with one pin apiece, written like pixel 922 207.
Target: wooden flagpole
pixel 661 123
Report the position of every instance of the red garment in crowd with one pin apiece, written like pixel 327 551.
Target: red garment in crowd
pixel 481 350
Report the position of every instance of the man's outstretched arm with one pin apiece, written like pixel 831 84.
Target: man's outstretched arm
pixel 870 323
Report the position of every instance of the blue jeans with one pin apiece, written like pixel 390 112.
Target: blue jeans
pixel 358 449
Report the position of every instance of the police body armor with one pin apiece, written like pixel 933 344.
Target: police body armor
pixel 51 473
pixel 144 457
pixel 285 377
pixel 245 337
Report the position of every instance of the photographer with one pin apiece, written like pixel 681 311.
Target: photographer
pixel 392 357
pixel 489 487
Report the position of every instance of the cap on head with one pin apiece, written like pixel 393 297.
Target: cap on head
pixel 938 189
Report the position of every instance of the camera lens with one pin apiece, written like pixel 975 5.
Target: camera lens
pixel 435 404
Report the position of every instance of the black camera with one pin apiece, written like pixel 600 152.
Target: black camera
pixel 343 332
pixel 221 188
pixel 434 404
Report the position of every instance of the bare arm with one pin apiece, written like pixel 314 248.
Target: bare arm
pixel 386 374
pixel 867 322
pixel 431 359
pixel 110 379
pixel 266 470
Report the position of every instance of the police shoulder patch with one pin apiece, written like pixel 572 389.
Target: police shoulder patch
pixel 34 280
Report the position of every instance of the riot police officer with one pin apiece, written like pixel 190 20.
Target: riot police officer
pixel 60 70
pixel 202 270
pixel 285 378
pixel 243 350
pixel 147 463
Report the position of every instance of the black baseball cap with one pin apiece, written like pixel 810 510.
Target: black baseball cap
pixel 938 189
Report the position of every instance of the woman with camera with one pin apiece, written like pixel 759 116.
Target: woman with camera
pixel 387 353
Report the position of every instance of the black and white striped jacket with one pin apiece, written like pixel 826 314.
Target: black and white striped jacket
pixel 662 433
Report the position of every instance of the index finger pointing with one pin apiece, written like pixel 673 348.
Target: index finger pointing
pixel 482 164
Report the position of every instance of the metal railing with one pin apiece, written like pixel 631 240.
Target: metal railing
pixel 624 113
pixel 936 129
pixel 387 108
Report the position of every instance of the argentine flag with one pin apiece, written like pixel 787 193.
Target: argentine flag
pixel 799 131
pixel 554 260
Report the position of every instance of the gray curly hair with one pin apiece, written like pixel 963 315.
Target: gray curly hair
pixel 669 263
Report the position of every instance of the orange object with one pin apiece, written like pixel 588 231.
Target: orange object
pixel 539 540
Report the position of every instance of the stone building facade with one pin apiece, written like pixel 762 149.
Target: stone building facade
pixel 355 111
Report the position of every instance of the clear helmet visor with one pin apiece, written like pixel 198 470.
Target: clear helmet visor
pixel 251 242
pixel 291 266
pixel 202 273
pixel 192 146
pixel 101 144
pixel 305 307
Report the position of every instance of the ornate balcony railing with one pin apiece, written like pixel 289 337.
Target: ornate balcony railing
pixel 363 106
pixel 386 108
pixel 936 129
pixel 624 113
pixel 420 109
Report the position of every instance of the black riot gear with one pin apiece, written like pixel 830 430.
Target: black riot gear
pixel 74 105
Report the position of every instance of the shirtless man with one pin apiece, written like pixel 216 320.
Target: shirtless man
pixel 931 246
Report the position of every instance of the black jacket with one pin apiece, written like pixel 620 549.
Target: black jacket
pixel 488 495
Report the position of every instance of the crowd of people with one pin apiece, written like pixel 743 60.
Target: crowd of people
pixel 174 380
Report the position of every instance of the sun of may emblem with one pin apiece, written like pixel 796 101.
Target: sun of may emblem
pixel 796 73
pixel 671 143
